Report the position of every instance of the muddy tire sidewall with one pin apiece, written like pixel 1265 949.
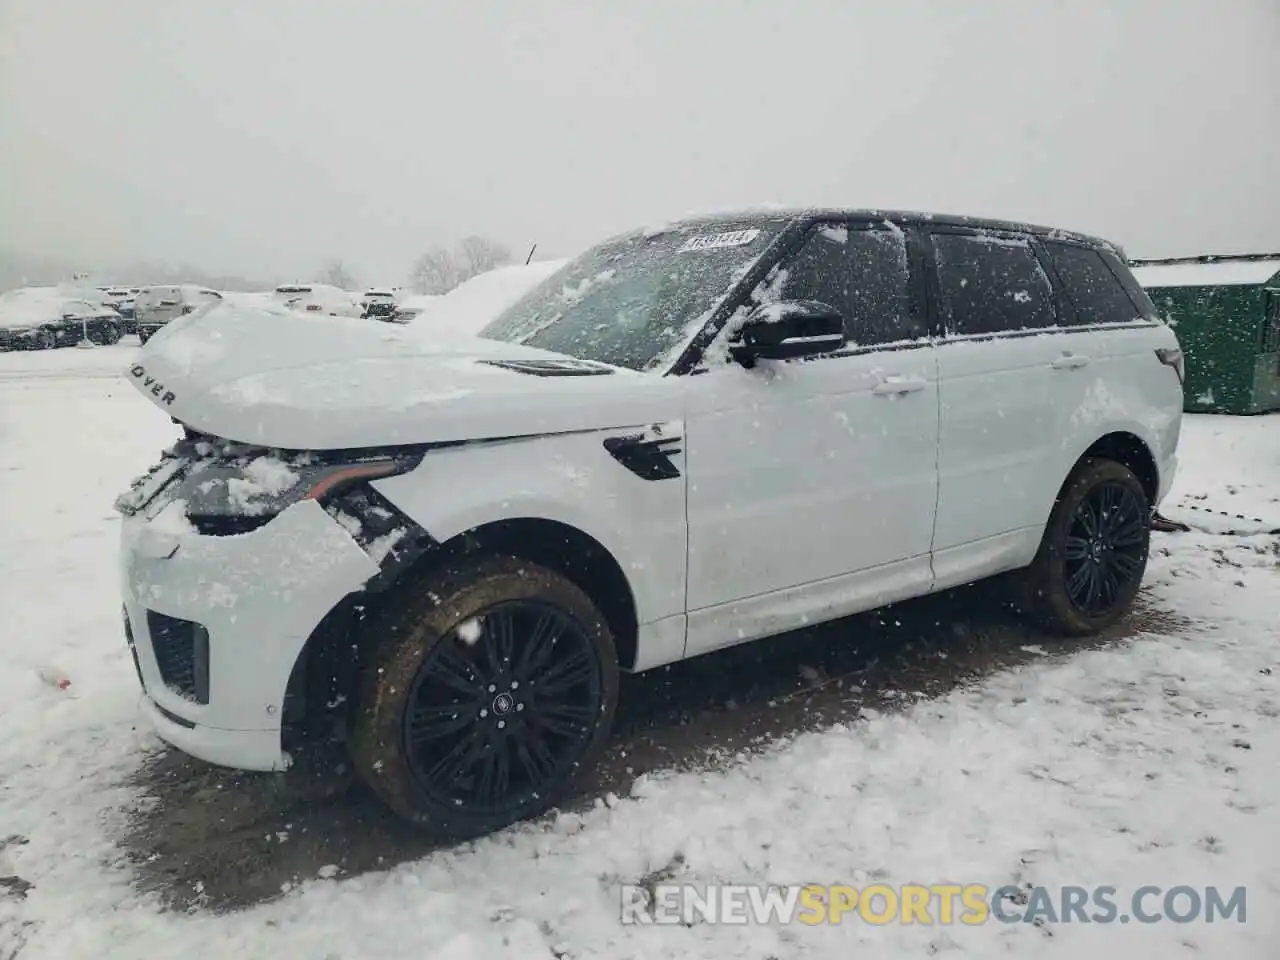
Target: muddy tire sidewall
pixel 425 612
pixel 1045 583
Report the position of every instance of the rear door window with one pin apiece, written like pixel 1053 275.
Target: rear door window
pixel 864 274
pixel 1091 286
pixel 991 285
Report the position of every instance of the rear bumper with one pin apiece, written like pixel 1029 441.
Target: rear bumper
pixel 258 597
pixel 1168 473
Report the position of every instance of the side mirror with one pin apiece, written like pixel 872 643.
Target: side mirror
pixel 787 329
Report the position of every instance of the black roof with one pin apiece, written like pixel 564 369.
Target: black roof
pixel 896 216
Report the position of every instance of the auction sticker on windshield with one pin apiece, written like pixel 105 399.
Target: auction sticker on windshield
pixel 713 241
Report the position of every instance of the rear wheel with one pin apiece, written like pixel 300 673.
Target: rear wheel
pixel 1094 552
pixel 46 339
pixel 143 335
pixel 488 690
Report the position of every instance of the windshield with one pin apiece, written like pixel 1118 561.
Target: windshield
pixel 629 301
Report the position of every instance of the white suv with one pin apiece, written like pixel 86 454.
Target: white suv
pixel 687 438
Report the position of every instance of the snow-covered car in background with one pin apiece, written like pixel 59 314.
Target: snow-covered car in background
pixel 318 298
pixel 40 318
pixel 155 306
pixel 122 301
pixel 684 439
pixel 379 303
pixel 468 307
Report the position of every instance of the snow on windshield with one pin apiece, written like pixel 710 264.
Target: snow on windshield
pixel 631 300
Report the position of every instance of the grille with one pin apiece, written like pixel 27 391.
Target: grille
pixel 181 649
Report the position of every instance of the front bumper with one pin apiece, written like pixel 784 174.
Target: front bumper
pixel 259 596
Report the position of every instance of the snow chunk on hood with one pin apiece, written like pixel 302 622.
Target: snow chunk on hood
pixel 262 479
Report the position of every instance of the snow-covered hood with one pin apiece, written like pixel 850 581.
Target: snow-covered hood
pixel 266 375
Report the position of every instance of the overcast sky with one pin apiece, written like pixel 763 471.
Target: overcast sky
pixel 266 136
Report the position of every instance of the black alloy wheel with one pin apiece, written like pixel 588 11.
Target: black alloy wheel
pixel 1093 554
pixel 487 687
pixel 1106 547
pixel 504 708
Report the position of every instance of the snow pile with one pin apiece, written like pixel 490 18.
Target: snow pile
pixel 472 306
pixel 264 478
pixel 417 302
pixel 38 307
pixel 29 312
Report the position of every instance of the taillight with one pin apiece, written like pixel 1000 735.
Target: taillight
pixel 1172 357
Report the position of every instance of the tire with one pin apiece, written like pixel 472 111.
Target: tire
pixel 110 334
pixel 450 712
pixel 46 339
pixel 143 335
pixel 1094 552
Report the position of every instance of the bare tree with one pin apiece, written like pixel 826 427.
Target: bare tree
pixel 478 255
pixel 435 272
pixel 439 270
pixel 336 274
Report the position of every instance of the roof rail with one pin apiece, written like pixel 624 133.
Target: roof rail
pixel 1206 258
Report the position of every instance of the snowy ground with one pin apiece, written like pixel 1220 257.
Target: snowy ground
pixel 1153 759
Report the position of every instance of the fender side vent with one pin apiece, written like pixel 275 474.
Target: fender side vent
pixel 647 459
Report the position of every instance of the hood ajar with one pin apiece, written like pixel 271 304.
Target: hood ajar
pixel 262 377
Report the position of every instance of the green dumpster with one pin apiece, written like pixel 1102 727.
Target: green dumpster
pixel 1226 313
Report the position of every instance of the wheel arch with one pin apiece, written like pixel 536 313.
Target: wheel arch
pixel 325 673
pixel 1129 450
pixel 569 551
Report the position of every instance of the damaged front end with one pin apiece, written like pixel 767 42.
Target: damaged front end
pixel 224 488
pixel 218 488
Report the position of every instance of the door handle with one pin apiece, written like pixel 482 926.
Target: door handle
pixel 896 386
pixel 1070 361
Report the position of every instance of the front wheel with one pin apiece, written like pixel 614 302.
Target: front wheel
pixel 1094 552
pixel 488 689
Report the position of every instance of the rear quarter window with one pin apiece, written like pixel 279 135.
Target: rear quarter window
pixel 1092 285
